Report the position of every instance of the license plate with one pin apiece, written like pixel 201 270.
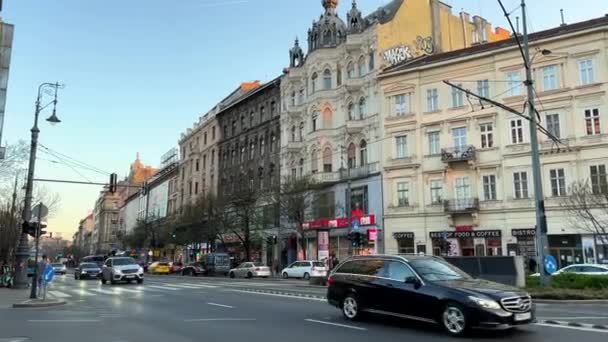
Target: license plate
pixel 130 276
pixel 523 316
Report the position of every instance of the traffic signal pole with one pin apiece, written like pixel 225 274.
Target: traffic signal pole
pixel 38 231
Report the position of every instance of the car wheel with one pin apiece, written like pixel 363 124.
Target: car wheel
pixel 285 275
pixel 350 307
pixel 306 276
pixel 231 275
pixel 454 320
pixel 249 275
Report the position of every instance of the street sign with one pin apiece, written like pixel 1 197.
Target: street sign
pixel 550 264
pixel 48 274
pixel 356 224
pixel 39 210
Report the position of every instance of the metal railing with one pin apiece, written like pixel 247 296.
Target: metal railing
pixel 455 154
pixel 360 172
pixel 461 205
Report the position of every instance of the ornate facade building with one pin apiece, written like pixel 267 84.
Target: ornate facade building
pixel 332 122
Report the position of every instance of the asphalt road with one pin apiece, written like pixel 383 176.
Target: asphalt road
pixel 180 309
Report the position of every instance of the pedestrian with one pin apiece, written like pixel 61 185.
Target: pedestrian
pixel 532 265
pixel 40 270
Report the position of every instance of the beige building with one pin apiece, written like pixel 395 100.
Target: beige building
pixel 458 169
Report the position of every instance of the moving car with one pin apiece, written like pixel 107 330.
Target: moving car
pixel 587 269
pixel 305 269
pixel 117 269
pixel 250 270
pixel 59 268
pixel 98 259
pixel 87 270
pixel 158 267
pixel 194 269
pixel 426 289
pixel 176 267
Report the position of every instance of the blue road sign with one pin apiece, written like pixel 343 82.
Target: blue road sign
pixel 550 264
pixel 356 224
pixel 48 274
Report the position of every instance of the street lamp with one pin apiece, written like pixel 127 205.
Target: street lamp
pixel 23 252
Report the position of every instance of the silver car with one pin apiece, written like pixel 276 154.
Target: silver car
pixel 250 270
pixel 117 269
pixel 59 268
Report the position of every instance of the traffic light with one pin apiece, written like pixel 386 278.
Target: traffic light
pixel 356 239
pixel 31 228
pixel 113 180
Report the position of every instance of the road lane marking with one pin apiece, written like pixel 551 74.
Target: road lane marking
pixel 281 295
pixel 335 324
pixel 165 287
pixel 201 285
pixel 579 317
pixel 122 289
pixel 63 320
pixel 218 319
pixel 221 305
pixel 183 286
pixel 59 294
pixel 103 291
pixel 571 327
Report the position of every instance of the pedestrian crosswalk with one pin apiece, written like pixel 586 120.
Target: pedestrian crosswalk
pixel 66 290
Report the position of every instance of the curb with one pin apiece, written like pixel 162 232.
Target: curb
pixel 574 324
pixel 39 304
pixel 570 301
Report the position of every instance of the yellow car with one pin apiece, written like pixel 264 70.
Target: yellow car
pixel 159 268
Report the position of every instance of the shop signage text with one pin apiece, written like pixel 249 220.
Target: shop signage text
pixel 523 232
pixel 466 234
pixel 403 235
pixel 340 222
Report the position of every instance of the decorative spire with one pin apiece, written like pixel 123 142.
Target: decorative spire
pixel 330 6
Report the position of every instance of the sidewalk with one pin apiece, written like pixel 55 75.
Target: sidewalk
pixel 12 298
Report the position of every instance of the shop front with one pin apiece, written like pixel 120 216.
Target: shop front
pixel 525 242
pixel 567 249
pixel 467 242
pixel 406 243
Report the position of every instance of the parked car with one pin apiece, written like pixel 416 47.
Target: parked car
pixel 305 269
pixel 87 270
pixel 117 269
pixel 194 269
pixel 176 267
pixel 587 269
pixel 217 263
pixel 426 289
pixel 59 268
pixel 158 267
pixel 250 270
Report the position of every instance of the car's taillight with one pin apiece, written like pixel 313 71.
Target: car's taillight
pixel 257 269
pixel 330 281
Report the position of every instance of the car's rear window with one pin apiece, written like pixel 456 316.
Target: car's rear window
pixel 318 264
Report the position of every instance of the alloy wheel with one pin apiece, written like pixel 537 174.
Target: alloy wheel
pixel 453 320
pixel 350 307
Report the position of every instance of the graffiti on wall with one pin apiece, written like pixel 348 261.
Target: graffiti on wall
pixel 421 46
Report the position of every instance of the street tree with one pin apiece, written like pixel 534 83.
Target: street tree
pixel 198 222
pixel 587 208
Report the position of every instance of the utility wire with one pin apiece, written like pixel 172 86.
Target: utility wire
pixel 75 161
pixel 68 165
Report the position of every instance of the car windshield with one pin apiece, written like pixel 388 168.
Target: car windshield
pixel 318 264
pixel 123 261
pixel 431 269
pixel 88 265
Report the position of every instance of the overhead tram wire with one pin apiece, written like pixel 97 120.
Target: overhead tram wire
pixel 68 162
pixel 75 161
pixel 68 165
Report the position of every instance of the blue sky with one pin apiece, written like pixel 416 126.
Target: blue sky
pixel 139 72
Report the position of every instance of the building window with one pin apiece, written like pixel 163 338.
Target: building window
pixel 213 133
pixel 459 136
pixel 351 155
pixel 436 191
pixel 592 121
pixel 233 127
pixel 405 246
pixel 243 126
pixel 204 162
pixel 293 98
pixel 514 84
pixel 363 152
pixel 401 146
pixel 361 66
pixel 457 97
pixel 293 133
pixel 372 60
pixel 487 135
pixel 403 194
pixel 359 199
pixel 301 96
pixel 242 157
pixel 599 183
pixel 558 182
pixel 351 111
pixel 272 142
pixel 314 162
pixel 585 68
pixel 327 165
pixel 434 144
pixel 196 188
pixel 301 132
pixel 432 100
pixel 262 146
pixel 273 109
pixel 233 156
pixel 362 108
pixel 517 131
pixel 350 70
pixel 462 188
pixel 553 124
pixel 325 205
pixel 489 187
pixel 326 79
pixel 402 104
pixel 315 119
pixel 212 157
pixel 301 167
pixel 483 88
pixel 549 77
pixel 313 82
pixel 197 167
pixel 205 138
pixel 520 183
pixel 262 114
pixel 251 150
pixel 339 75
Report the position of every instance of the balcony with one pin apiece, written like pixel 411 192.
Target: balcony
pixel 295 146
pixel 461 205
pixel 356 126
pixel 326 177
pixel 360 172
pixel 355 83
pixel 458 154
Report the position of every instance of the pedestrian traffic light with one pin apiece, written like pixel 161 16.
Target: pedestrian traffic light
pixel 113 180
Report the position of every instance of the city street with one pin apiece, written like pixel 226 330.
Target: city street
pixel 174 308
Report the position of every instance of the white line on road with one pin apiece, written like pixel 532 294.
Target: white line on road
pixel 63 320
pixel 572 328
pixel 59 294
pixel 218 319
pixel 103 291
pixel 579 317
pixel 335 324
pixel 222 305
pixel 280 295
pixel 165 287
pixel 183 286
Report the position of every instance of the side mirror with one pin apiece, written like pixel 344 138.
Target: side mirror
pixel 413 280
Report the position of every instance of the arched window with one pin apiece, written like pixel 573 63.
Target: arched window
pixel 327 118
pixel 233 156
pixel 315 121
pixel 371 61
pixel 363 152
pixel 301 96
pixel 326 79
pixel 314 161
pixel 352 155
pixel 293 98
pixel 243 125
pixel 301 132
pixel 362 108
pixel 361 66
pixel 293 133
pixel 350 70
pixel 339 75
pixel 272 142
pixel 327 166
pixel 262 146
pixel 262 114
pixel 301 167
pixel 313 82
pixel 251 115
pixel 351 111
pixel 243 154
pixel 273 109
pixel 251 150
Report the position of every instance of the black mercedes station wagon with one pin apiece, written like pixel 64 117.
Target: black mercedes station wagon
pixel 427 289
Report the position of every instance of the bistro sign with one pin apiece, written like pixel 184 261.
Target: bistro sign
pixel 466 234
pixel 523 232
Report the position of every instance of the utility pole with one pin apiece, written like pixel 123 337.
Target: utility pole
pixel 539 201
pixel 347 197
